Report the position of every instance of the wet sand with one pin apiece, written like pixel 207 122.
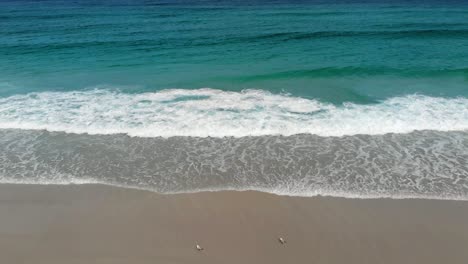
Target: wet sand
pixel 101 224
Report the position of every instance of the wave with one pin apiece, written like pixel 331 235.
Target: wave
pixel 416 33
pixel 354 72
pixel 138 41
pixel 216 113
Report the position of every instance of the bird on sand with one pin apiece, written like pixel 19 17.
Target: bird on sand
pixel 281 240
pixel 198 247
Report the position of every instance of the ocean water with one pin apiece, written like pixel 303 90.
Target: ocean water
pixel 344 98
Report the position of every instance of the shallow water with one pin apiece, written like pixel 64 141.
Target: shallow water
pixel 423 164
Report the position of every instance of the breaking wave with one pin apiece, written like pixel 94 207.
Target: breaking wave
pixel 216 113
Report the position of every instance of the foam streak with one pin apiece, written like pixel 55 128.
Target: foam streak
pixel 419 164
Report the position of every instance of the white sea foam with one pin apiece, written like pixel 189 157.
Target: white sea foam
pixel 216 113
pixel 425 164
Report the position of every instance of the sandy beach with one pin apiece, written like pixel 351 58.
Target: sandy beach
pixel 102 224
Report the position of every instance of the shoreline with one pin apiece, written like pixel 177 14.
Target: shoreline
pixel 103 224
pixel 331 195
pixel 416 165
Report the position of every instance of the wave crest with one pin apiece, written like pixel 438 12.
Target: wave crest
pixel 216 113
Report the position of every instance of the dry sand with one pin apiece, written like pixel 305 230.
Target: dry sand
pixel 98 224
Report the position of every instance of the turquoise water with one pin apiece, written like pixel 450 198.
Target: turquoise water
pixel 344 98
pixel 337 52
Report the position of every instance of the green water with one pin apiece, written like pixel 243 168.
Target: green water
pixel 335 52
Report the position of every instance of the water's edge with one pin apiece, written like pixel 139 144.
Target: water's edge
pixel 421 164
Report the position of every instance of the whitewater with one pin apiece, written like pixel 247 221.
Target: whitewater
pixel 217 113
pixel 354 99
pixel 179 140
pixel 425 164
